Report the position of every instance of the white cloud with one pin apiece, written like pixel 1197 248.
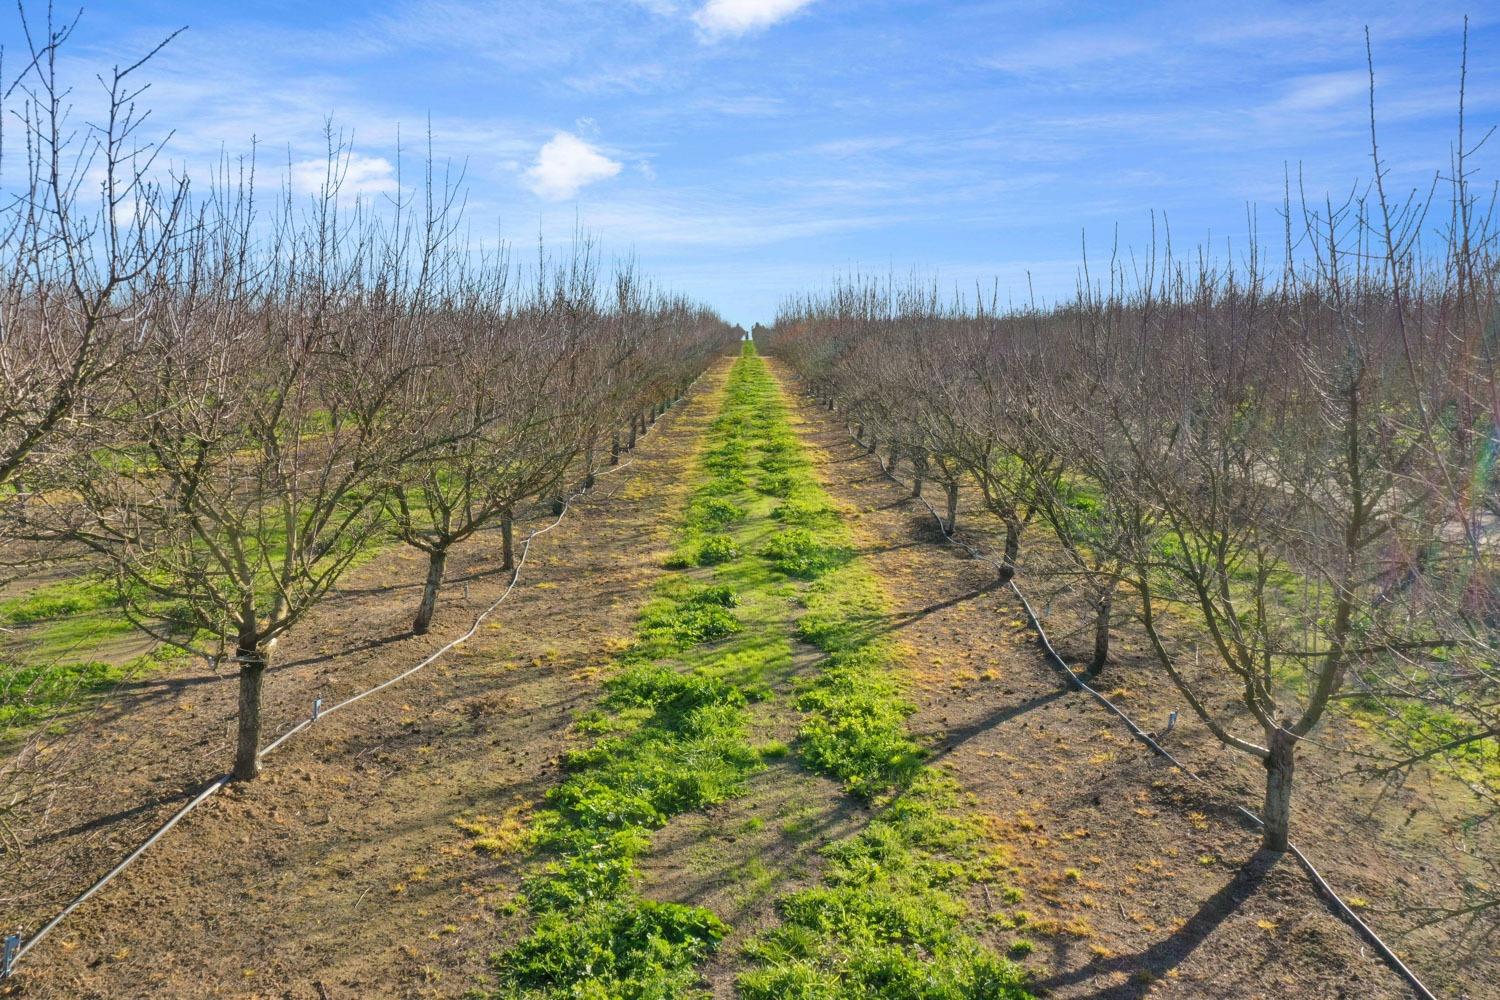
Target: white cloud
pixel 736 17
pixel 1321 91
pixel 354 175
pixel 565 165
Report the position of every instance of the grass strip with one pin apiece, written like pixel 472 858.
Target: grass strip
pixel 673 736
pixel 889 919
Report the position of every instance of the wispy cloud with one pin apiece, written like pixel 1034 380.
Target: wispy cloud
pixel 1321 91
pixel 630 79
pixel 719 18
pixel 566 165
pixel 353 175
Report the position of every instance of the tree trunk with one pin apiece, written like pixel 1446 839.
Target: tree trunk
pixel 252 661
pixel 1012 551
pixel 859 432
pixel 918 473
pixel 435 562
pixel 588 465
pixel 614 449
pixel 507 543
pixel 874 444
pixel 952 508
pixel 1278 810
pixel 630 442
pixel 1101 632
pixel 892 459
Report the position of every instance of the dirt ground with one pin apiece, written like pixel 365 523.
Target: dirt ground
pixel 342 874
pixel 1136 880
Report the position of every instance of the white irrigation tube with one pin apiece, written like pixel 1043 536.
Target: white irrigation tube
pixel 515 578
pixel 1324 890
pixel 16 949
pixel 18 953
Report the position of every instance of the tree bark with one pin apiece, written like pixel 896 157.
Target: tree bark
pixel 892 459
pixel 1101 633
pixel 918 473
pixel 252 660
pixel 1012 551
pixel 614 449
pixel 952 507
pixel 507 543
pixel 1278 809
pixel 436 561
pixel 630 442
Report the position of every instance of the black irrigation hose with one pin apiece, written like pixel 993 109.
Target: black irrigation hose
pixel 15 948
pixel 1320 885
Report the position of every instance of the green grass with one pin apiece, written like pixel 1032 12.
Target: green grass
pixel 673 736
pixel 889 920
pixel 30 695
pixel 56 666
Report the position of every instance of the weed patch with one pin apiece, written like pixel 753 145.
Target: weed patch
pixel 673 735
pixel 801 553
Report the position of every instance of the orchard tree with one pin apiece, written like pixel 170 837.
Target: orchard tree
pixel 241 474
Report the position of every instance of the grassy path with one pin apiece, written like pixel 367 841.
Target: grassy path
pixel 770 624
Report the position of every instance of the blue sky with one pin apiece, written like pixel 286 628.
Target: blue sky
pixel 746 149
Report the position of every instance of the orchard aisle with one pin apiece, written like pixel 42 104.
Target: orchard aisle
pixel 753 816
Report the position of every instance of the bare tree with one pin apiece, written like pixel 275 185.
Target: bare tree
pixel 87 227
pixel 241 474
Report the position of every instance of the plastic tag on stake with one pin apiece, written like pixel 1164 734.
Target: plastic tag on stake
pixel 8 957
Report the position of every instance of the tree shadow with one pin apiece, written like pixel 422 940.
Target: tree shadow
pixel 1170 952
pixel 954 738
pixel 890 623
